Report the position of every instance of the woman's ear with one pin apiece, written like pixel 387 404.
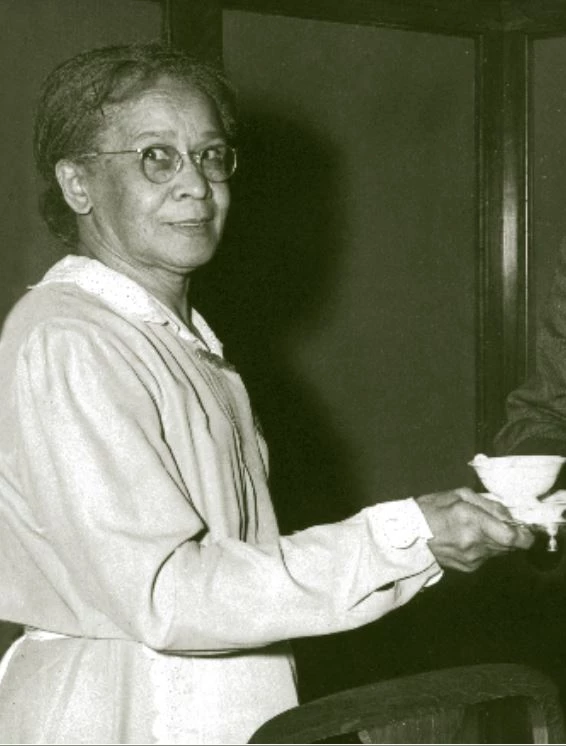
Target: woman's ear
pixel 72 180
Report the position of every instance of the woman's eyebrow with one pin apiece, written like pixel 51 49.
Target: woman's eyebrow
pixel 158 135
pixel 170 134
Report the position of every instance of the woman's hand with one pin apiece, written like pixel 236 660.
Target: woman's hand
pixel 469 529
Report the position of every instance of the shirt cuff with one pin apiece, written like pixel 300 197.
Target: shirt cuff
pixel 402 524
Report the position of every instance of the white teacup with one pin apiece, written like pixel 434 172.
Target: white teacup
pixel 517 479
pixel 519 482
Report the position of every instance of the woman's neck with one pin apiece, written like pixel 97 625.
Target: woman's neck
pixel 169 287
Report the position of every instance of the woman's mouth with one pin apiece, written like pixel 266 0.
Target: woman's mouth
pixel 191 226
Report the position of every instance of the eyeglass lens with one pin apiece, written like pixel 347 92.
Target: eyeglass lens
pixel 160 164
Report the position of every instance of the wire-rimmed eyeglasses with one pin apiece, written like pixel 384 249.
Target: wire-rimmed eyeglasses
pixel 160 163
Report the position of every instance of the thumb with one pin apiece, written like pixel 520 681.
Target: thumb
pixel 489 505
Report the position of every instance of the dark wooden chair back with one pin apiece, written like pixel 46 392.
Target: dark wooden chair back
pixel 491 703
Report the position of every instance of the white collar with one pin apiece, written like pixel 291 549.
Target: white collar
pixel 127 297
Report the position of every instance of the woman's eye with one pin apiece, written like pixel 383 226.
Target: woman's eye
pixel 157 153
pixel 215 153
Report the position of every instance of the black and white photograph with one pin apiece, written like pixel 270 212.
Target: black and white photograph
pixel 282 371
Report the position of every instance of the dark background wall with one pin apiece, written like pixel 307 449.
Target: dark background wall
pixel 352 252
pixel 346 293
pixel 345 288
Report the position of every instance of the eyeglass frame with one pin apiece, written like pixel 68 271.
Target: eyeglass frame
pixel 195 156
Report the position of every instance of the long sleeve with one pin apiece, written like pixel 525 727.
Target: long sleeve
pixel 131 550
pixel 536 411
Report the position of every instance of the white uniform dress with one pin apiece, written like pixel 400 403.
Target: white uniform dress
pixel 138 542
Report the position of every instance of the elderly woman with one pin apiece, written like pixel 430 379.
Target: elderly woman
pixel 139 546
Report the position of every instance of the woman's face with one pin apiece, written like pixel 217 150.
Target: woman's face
pixel 175 226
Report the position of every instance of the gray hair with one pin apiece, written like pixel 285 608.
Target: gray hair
pixel 70 116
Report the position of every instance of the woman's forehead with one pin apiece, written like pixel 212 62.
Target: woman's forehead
pixel 165 105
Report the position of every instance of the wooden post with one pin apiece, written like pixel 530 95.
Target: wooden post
pixel 504 225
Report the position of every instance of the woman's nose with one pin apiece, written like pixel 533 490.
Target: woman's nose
pixel 190 181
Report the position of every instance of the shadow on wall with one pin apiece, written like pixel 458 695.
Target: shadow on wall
pixel 271 280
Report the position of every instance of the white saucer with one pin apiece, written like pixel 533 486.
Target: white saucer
pixel 535 512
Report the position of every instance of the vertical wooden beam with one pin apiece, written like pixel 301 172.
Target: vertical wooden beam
pixel 504 223
pixel 195 26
